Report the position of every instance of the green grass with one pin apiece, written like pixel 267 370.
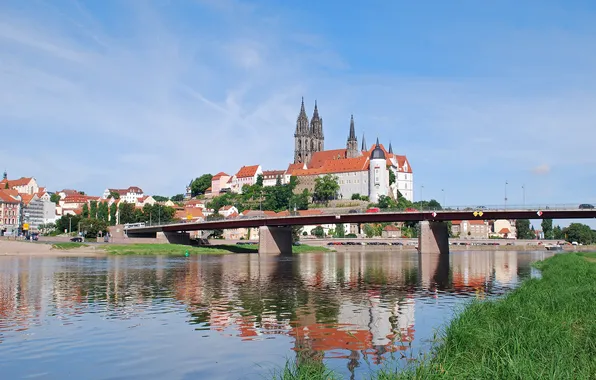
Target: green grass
pixel 68 245
pixel 306 370
pixel 546 329
pixel 178 249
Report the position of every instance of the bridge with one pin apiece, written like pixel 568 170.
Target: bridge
pixel 275 232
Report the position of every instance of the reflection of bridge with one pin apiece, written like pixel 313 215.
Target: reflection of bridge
pixel 275 232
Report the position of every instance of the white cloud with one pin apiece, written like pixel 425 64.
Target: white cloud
pixel 541 169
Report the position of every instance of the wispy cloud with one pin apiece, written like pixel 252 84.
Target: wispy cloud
pixel 541 169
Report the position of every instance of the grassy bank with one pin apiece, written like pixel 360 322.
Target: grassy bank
pixel 68 245
pixel 543 330
pixel 178 249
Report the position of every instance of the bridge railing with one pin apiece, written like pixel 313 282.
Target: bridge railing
pixel 464 208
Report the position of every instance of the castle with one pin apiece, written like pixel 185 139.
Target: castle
pixel 359 171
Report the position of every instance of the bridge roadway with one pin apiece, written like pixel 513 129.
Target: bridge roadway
pixel 374 217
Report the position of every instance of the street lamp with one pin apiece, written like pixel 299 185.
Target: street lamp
pixel 443 191
pixel 506 183
pixel 421 188
pixel 524 195
pixel 69 225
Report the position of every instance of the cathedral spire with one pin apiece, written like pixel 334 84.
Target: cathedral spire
pixel 352 130
pixel 390 148
pixel 302 121
pixel 364 143
pixel 316 113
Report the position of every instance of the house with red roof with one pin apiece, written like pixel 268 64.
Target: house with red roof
pixel 10 211
pixel 24 185
pixel 246 176
pixel 128 195
pixel 219 182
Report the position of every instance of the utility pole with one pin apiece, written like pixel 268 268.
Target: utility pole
pixel 506 183
pixel 524 195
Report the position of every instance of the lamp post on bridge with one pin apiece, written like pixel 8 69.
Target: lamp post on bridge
pixel 443 191
pixel 524 195
pixel 506 183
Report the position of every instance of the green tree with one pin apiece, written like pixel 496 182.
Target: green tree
pixel 199 185
pixel 114 194
pixel 300 201
pixel 55 198
pixel 103 211
pixel 127 213
pixel 93 209
pixel 160 198
pixel 259 181
pixel 318 231
pixel 547 228
pixel 326 188
pixel 522 227
pixel 369 230
pixel 391 177
pixel 578 232
pixel 386 202
pixel 558 233
pixel 355 197
pixel 296 231
pixel 6 186
pixel 340 230
pixel 93 228
pixel 85 211
pixel 113 211
pixel 68 222
pixel 177 198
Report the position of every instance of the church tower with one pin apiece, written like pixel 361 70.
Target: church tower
pixel 352 145
pixel 301 137
pixel 309 137
pixel 364 147
pixel 316 131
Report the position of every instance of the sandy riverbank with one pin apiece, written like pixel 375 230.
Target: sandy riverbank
pixel 25 248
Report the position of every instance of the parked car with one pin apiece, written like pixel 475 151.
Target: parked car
pixel 77 239
pixel 373 209
pixel 586 206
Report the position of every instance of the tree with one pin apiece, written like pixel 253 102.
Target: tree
pixel 326 188
pixel 160 198
pixel 577 232
pixel 558 233
pixel 199 185
pixel 177 198
pixel 6 186
pixel 369 230
pixel 85 211
pixel 114 194
pixel 391 177
pixel 259 181
pixel 386 202
pixel 547 228
pixel 103 211
pixel 522 227
pixel 68 222
pixel 300 201
pixel 318 231
pixel 340 230
pixel 127 213
pixel 93 209
pixel 113 211
pixel 93 228
pixel 355 197
pixel 55 198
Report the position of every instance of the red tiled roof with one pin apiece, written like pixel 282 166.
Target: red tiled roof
pixel 7 197
pixel 76 198
pixel 224 208
pixel 319 158
pixel 310 212
pixel 23 181
pixel 219 175
pixel 247 171
pixel 337 166
pixel 504 231
pixel 391 228
pixel 293 167
pixel 27 198
pixel 476 222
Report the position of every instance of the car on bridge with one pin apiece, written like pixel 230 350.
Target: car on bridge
pixel 586 206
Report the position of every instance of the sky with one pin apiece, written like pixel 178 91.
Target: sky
pixel 482 97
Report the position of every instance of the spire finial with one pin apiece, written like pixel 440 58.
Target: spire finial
pixel 390 148
pixel 378 143
pixel 352 129
pixel 364 148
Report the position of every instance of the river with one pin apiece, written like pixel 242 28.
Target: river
pixel 235 316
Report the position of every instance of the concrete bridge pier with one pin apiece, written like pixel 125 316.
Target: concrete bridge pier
pixel 275 240
pixel 433 238
pixel 174 237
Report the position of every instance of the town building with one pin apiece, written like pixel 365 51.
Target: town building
pixel 129 195
pixel 219 182
pixel 504 228
pixel 246 176
pixel 37 211
pixel 270 177
pixel 23 185
pixel 470 229
pixel 10 212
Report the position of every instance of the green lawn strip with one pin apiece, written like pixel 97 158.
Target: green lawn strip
pixel 68 245
pixel 545 329
pixel 179 249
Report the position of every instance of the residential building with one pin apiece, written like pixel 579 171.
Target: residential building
pixel 227 211
pixel 246 176
pixel 145 200
pixel 129 195
pixel 504 228
pixel 391 231
pixel 270 177
pixel 219 182
pixel 10 212
pixel 470 229
pixel 23 185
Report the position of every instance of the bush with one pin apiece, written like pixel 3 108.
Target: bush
pixel 352 236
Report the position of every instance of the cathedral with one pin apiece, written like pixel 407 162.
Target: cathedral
pixel 309 137
pixel 363 170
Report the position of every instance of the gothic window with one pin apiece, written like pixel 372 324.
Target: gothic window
pixel 299 145
pixel 312 146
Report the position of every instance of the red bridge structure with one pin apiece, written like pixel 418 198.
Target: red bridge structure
pixel 275 232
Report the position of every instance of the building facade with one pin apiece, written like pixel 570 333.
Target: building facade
pixel 308 138
pixel 10 212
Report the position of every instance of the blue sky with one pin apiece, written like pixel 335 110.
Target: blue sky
pixel 154 93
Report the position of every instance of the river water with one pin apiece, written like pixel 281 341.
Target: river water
pixel 235 316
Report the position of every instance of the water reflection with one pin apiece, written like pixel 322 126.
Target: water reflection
pixel 355 309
